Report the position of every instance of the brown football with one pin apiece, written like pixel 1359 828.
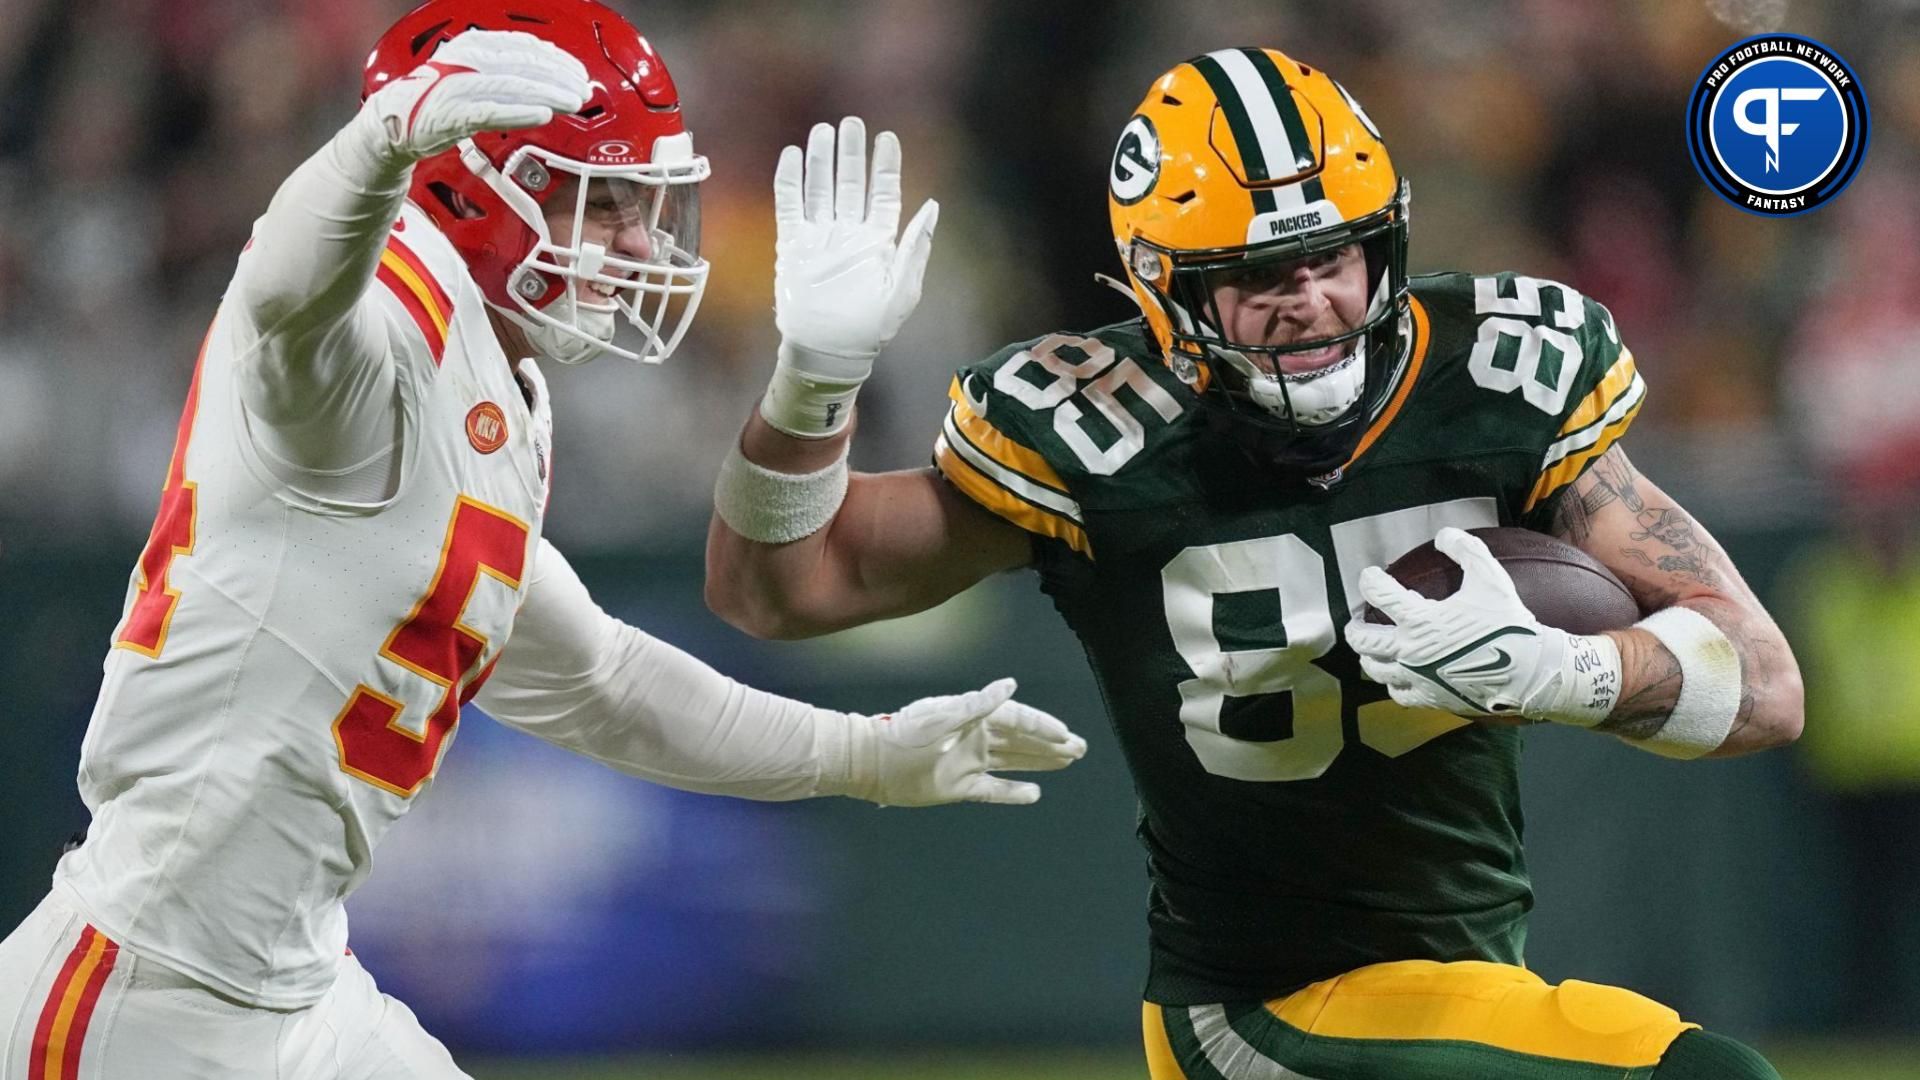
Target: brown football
pixel 1563 586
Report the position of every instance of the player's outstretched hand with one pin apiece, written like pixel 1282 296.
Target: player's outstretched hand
pixel 946 749
pixel 482 80
pixel 842 283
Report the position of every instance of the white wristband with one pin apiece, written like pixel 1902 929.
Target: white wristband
pixel 775 507
pixel 809 406
pixel 1709 683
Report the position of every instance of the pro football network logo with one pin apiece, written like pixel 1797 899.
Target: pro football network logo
pixel 1777 125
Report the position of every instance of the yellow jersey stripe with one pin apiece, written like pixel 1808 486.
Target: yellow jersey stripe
pixel 1161 1064
pixel 1615 382
pixel 1569 468
pixel 405 273
pixel 1628 400
pixel 1001 449
pixel 1041 495
pixel 1497 1005
pixel 977 485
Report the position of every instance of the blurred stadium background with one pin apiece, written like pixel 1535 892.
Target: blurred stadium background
pixel 551 919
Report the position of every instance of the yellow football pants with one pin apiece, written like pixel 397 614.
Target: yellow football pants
pixel 1417 1020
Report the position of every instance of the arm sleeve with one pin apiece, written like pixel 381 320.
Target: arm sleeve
pixel 318 379
pixel 578 678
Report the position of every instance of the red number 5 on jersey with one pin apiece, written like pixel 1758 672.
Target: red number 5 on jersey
pixel 145 628
pixel 374 746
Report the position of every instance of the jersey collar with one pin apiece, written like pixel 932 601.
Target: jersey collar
pixel 1409 374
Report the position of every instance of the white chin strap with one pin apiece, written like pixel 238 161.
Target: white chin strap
pixel 1312 399
pixel 554 342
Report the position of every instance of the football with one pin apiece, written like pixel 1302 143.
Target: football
pixel 1563 586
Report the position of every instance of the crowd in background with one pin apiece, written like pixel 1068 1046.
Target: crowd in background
pixel 143 137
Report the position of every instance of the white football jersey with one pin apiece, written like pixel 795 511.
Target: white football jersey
pixel 289 668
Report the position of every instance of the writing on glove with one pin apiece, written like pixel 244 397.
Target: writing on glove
pixel 1480 652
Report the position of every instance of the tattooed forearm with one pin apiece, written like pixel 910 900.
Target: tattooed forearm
pixel 1758 659
pixel 1666 558
pixel 1667 540
pixel 1687 555
pixel 1615 475
pixel 1690 566
pixel 1573 514
pixel 1653 677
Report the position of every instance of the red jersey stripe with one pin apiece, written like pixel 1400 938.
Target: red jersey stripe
pixel 416 307
pixel 419 267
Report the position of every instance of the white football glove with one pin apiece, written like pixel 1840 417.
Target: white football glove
pixel 482 80
pixel 1480 652
pixel 944 749
pixel 842 286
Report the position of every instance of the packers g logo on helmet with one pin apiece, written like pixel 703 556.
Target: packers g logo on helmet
pixel 1136 162
pixel 1238 164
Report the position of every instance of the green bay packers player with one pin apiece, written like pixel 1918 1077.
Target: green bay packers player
pixel 1330 809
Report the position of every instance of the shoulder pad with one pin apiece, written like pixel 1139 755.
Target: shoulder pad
pixel 1033 425
pixel 1552 355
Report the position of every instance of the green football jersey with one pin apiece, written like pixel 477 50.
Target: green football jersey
pixel 1298 823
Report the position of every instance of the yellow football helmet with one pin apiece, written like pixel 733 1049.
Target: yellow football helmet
pixel 1245 159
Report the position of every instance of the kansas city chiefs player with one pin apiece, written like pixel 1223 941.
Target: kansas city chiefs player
pixel 349 548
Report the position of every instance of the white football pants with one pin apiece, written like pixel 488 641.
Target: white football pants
pixel 76 1006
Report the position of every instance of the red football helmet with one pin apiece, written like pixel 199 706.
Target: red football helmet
pixel 489 194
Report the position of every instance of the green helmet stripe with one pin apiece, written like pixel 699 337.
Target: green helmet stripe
pixel 1290 117
pixel 1241 125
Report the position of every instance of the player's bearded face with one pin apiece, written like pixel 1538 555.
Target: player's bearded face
pixel 1279 303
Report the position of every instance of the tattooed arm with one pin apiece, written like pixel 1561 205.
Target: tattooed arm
pixel 1667 559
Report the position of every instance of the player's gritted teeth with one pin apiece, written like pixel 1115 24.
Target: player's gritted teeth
pixel 1307 363
pixel 1274 320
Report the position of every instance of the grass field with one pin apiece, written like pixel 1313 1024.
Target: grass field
pixel 1810 1061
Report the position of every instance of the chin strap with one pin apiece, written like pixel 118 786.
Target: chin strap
pixel 1120 287
pixel 559 342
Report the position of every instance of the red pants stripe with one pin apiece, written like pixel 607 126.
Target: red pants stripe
pixel 62 1029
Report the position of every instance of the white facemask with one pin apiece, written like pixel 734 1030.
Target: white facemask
pixel 657 294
